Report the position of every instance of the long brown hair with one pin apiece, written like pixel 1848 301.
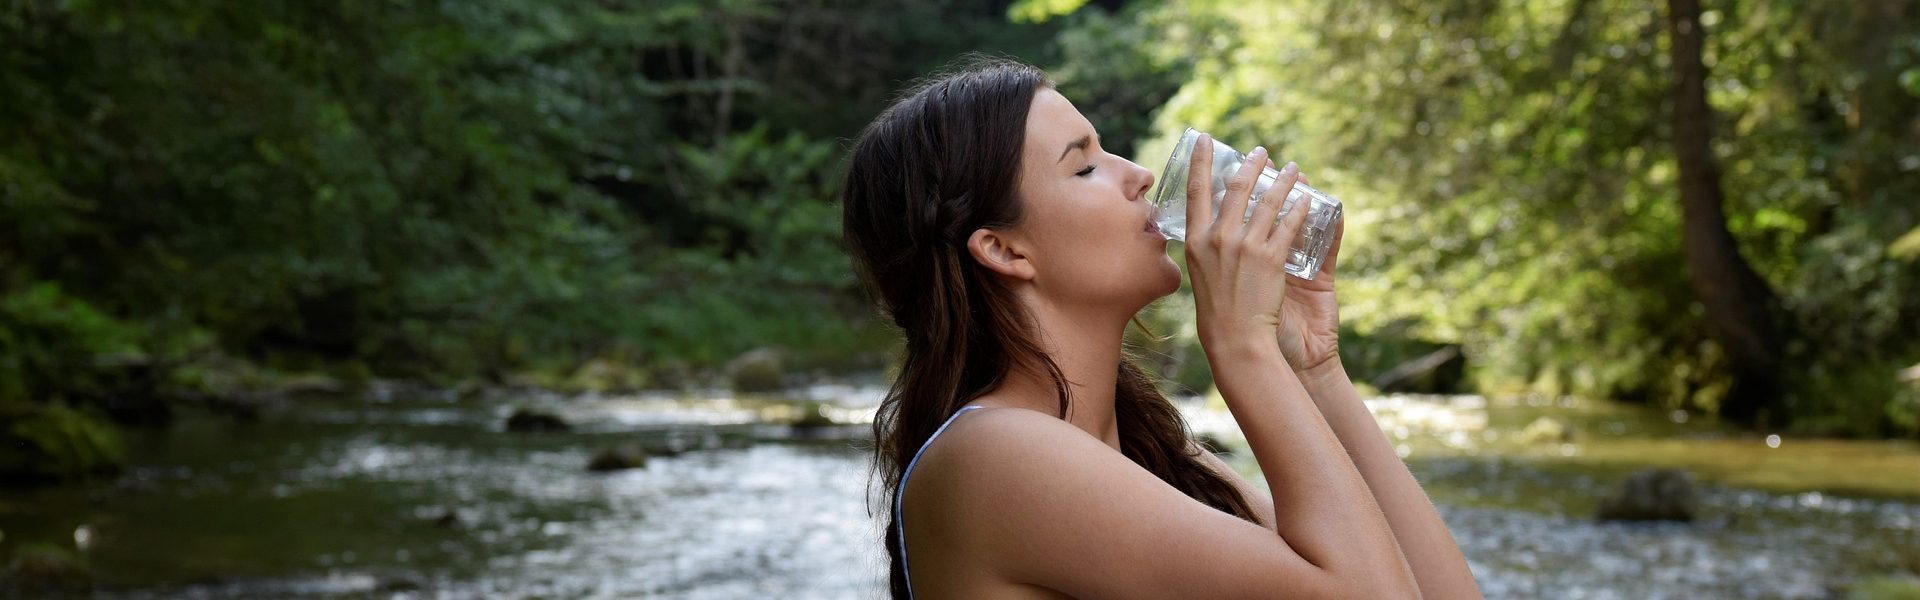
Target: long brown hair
pixel 937 165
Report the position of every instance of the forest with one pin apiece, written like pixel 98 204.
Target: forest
pixel 1709 208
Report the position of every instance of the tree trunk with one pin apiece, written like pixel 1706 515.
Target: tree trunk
pixel 1741 310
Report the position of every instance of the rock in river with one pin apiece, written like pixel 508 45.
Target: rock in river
pixel 1651 495
pixel 529 421
pixel 758 370
pixel 1548 430
pixel 627 456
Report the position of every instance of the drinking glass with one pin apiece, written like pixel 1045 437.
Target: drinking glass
pixel 1169 198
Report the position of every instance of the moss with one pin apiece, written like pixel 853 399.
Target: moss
pixel 1616 438
pixel 1885 588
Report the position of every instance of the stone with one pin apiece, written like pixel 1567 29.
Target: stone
pixel 626 456
pixel 531 421
pixel 812 417
pixel 1651 495
pixel 758 370
pixel 1548 430
pixel 605 375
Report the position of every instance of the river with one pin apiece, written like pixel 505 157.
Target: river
pixel 399 494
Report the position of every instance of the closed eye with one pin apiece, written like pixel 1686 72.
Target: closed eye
pixel 1084 172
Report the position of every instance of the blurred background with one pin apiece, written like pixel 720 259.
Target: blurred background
pixel 545 299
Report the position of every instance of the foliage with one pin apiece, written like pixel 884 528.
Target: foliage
pixel 1037 11
pixel 1122 67
pixel 55 442
pixel 439 191
pixel 49 342
pixel 1510 184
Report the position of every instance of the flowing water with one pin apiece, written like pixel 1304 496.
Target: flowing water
pixel 420 495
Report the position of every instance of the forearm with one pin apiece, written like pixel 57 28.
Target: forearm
pixel 1322 506
pixel 1430 549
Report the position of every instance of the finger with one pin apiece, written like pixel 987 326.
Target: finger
pixel 1333 251
pixel 1233 207
pixel 1200 186
pixel 1268 210
pixel 1290 225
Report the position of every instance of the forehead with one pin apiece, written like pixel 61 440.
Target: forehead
pixel 1053 122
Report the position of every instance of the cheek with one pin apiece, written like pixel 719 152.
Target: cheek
pixel 1109 265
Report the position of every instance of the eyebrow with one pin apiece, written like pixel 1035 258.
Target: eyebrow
pixel 1080 144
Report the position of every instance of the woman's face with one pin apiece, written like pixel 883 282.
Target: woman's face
pixel 1085 226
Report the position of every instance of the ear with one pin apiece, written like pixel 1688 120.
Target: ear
pixel 996 250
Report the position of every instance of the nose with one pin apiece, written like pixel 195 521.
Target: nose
pixel 1143 176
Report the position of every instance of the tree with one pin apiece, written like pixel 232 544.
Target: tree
pixel 1741 309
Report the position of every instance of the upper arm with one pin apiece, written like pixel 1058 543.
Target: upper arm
pixel 1046 504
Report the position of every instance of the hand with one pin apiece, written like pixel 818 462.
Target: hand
pixel 1238 266
pixel 1310 315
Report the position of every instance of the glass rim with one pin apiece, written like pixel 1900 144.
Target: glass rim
pixel 1184 148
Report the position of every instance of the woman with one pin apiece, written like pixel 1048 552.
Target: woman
pixel 989 224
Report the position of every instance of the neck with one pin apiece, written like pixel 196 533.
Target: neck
pixel 1086 346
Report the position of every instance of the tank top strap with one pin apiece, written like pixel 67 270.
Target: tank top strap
pixel 900 495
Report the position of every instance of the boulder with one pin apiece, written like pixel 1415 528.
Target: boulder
pixel 812 417
pixel 1651 495
pixel 606 375
pixel 1548 430
pixel 626 456
pixel 531 421
pixel 758 370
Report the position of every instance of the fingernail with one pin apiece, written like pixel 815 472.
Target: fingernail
pixel 1292 166
pixel 1260 150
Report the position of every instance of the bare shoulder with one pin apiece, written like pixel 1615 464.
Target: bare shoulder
pixel 1009 457
pixel 1026 498
pixel 998 457
pixel 994 439
pixel 982 476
